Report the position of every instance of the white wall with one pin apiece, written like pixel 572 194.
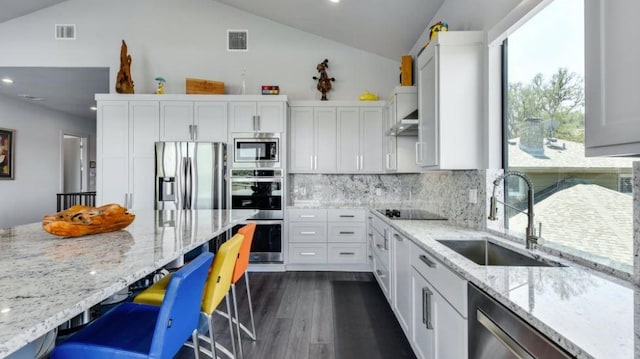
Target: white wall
pixel 187 38
pixel 38 160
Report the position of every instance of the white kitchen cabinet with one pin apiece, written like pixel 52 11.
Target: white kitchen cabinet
pixel 380 251
pixel 313 139
pixel 307 236
pixel 439 308
pixel 193 121
pixel 612 109
pixel 438 331
pixel 260 116
pixel 126 133
pixel 401 279
pixel 360 140
pixel 321 239
pixel 450 101
pixel 400 155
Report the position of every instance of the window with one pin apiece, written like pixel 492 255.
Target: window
pixel 583 203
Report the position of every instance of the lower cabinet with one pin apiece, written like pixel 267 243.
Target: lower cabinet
pixel 439 308
pixel 428 299
pixel 401 279
pixel 438 330
pixel 329 239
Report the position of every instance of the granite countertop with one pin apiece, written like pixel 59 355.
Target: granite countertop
pixel 47 280
pixel 586 312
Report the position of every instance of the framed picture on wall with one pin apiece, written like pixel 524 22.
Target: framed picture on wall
pixel 7 153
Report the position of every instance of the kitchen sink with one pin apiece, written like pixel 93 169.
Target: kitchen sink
pixel 487 253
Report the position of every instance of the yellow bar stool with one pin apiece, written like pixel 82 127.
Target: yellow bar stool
pixel 216 288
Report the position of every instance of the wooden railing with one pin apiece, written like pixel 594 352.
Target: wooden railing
pixel 66 200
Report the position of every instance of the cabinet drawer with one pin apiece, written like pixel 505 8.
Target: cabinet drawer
pixel 352 233
pixel 377 224
pixel 346 215
pixel 313 232
pixel 347 253
pixel 307 253
pixel 382 275
pixel 380 248
pixel 307 215
pixel 451 286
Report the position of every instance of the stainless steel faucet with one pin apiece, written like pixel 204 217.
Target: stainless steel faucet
pixel 532 238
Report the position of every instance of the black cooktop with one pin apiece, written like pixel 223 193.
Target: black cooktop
pixel 408 214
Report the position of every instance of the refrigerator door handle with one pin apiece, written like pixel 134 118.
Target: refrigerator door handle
pixel 189 177
pixel 184 186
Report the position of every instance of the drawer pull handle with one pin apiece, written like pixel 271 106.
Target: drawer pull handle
pixel 396 236
pixel 307 216
pixel 308 233
pixel 347 216
pixel 380 274
pixel 347 253
pixel 370 234
pixel 307 253
pixel 347 232
pixel 427 261
pixel 426 307
pixel 380 246
pixel 370 256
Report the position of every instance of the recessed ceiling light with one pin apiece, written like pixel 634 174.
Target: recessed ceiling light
pixel 31 98
pixel 93 108
pixel 335 1
pixel 7 80
pixel 5 310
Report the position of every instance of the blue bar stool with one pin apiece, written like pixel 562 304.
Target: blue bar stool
pixel 145 331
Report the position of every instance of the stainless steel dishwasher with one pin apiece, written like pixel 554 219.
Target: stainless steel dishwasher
pixel 496 333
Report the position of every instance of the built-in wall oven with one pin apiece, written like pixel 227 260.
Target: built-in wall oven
pixel 256 150
pixel 261 189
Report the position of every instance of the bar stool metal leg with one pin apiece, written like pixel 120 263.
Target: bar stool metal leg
pixel 253 324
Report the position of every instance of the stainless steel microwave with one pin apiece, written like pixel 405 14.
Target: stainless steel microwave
pixel 256 150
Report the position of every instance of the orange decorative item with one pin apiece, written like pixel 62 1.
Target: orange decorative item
pixel 82 220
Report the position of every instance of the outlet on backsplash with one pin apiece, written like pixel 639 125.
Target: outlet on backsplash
pixel 473 196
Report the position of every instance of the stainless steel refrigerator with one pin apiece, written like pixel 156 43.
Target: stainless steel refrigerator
pixel 190 175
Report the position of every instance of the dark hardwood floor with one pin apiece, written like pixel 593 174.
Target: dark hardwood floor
pixel 293 313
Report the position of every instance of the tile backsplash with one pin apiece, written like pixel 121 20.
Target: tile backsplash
pixel 442 192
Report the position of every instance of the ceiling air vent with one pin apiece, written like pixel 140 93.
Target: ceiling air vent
pixel 237 40
pixel 65 32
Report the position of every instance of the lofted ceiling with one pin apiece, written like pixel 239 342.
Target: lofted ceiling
pixel 10 9
pixel 388 28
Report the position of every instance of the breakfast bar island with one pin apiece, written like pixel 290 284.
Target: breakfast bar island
pixel 47 280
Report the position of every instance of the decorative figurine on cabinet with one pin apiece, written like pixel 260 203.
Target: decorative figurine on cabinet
pixel 124 82
pixel 161 81
pixel 324 81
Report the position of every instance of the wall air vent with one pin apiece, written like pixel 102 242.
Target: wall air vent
pixel 65 31
pixel 237 40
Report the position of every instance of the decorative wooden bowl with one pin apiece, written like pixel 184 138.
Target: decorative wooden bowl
pixel 82 220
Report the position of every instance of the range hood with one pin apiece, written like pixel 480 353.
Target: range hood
pixel 408 126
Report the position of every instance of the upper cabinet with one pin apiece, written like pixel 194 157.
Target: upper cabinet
pixel 612 94
pixel 401 133
pixel 193 121
pixel 260 116
pixel 360 140
pixel 313 139
pixel 336 137
pixel 450 101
